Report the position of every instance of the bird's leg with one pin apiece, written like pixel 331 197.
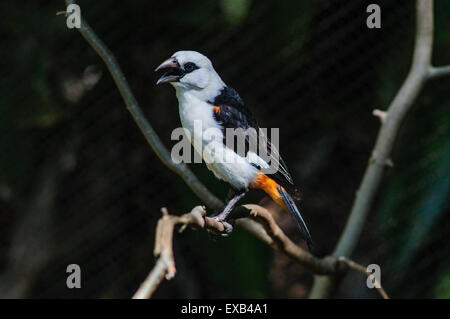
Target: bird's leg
pixel 229 207
pixel 234 197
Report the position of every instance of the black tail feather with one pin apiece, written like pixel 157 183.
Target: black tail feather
pixel 290 204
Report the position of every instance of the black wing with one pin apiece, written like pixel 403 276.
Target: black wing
pixel 232 113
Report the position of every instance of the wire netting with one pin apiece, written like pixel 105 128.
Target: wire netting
pixel 80 185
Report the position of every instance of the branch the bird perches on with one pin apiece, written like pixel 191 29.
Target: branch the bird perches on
pixel 256 220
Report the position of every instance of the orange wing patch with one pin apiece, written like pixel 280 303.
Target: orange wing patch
pixel 216 109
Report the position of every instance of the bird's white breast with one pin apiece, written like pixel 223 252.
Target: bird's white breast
pixel 194 112
pixel 222 161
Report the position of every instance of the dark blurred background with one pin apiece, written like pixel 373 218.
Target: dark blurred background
pixel 79 184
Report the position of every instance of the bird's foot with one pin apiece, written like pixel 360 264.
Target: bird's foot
pixel 228 227
pixel 215 228
pixel 222 217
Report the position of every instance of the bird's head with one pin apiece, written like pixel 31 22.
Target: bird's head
pixel 190 71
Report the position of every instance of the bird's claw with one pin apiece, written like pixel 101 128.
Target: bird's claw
pixel 228 227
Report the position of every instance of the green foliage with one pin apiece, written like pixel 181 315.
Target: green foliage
pixel 235 11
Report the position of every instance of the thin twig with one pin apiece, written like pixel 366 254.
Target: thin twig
pixel 360 268
pixel 437 72
pixel 152 281
pixel 420 72
pixel 147 130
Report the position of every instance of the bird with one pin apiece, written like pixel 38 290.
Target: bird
pixel 203 97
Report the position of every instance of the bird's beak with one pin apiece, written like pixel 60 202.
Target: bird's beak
pixel 173 73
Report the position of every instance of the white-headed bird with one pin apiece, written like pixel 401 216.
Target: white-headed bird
pixel 204 98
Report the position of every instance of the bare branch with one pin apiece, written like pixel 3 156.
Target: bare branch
pixel 420 72
pixel 363 269
pixel 146 129
pixel 165 264
pixel 437 72
pixel 380 114
pixel 279 241
pixel 256 220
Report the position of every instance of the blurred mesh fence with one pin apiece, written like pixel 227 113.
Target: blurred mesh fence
pixel 79 184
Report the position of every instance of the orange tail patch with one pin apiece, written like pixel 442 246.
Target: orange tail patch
pixel 282 198
pixel 269 186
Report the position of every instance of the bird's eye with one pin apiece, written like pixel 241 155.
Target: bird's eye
pixel 189 67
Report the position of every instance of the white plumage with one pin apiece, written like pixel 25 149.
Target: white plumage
pixel 222 161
